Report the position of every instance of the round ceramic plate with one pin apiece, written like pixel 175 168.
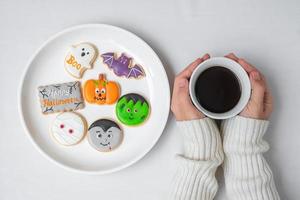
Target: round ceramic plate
pixel 47 67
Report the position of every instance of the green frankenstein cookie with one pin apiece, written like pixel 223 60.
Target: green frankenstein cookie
pixel 132 109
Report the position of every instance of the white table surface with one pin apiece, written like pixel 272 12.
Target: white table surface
pixel 267 33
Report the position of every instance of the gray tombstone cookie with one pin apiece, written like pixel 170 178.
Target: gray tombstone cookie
pixel 105 135
pixel 60 97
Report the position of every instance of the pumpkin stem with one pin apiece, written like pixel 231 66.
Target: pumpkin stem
pixel 101 77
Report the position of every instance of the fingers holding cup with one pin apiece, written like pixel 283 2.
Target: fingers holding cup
pixel 188 71
pixel 181 105
pixel 232 56
pixel 260 104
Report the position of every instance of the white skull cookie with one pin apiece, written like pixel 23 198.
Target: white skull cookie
pixel 68 128
pixel 80 58
pixel 105 135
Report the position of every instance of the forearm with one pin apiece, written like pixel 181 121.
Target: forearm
pixel 247 174
pixel 195 177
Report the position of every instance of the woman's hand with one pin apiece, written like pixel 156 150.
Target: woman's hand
pixel 260 105
pixel 182 106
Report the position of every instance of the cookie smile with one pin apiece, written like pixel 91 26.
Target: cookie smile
pixel 131 118
pixel 104 144
pixel 100 98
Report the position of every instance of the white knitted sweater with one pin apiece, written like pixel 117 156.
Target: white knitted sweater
pixel 247 174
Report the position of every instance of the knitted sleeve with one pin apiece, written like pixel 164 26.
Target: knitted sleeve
pixel 195 177
pixel 247 174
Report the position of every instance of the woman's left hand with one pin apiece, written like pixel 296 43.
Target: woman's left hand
pixel 260 105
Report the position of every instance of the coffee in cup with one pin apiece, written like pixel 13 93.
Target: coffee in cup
pixel 220 88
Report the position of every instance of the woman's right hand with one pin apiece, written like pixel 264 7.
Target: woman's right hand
pixel 260 105
pixel 181 105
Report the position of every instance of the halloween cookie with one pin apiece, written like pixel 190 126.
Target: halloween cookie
pixel 80 58
pixel 60 97
pixel 101 91
pixel 122 66
pixel 105 135
pixel 68 128
pixel 132 109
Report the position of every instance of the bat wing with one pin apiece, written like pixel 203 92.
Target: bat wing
pixel 108 58
pixel 135 72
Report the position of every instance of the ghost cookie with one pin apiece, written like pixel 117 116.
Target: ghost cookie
pixel 132 109
pixel 68 128
pixel 80 58
pixel 105 135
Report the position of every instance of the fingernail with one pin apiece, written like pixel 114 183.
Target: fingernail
pixel 205 56
pixel 255 76
pixel 182 83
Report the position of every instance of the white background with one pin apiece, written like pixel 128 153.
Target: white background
pixel 267 33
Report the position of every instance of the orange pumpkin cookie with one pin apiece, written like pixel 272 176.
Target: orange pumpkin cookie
pixel 101 91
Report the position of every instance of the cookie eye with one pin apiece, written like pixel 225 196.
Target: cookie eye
pixel 82 49
pixel 70 131
pixel 97 90
pixel 109 135
pixel 62 126
pixel 135 110
pixel 103 91
pixel 100 135
pixel 88 53
pixel 128 109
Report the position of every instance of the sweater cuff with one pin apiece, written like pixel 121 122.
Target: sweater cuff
pixel 201 139
pixel 244 134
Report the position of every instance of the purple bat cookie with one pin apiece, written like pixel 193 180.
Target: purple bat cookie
pixel 122 65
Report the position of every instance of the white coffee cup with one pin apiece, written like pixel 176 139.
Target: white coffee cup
pixel 240 74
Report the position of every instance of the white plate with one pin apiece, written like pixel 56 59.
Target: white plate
pixel 46 67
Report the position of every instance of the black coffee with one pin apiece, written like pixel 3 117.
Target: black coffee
pixel 217 89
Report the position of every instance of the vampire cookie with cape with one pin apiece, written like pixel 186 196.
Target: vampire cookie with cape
pixel 105 135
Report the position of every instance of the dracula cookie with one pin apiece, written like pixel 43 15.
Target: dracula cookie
pixel 80 58
pixel 68 128
pixel 105 135
pixel 60 97
pixel 122 65
pixel 132 109
pixel 101 91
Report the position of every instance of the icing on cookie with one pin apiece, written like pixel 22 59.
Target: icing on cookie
pixel 68 128
pixel 101 91
pixel 132 109
pixel 105 135
pixel 60 97
pixel 80 58
pixel 122 66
